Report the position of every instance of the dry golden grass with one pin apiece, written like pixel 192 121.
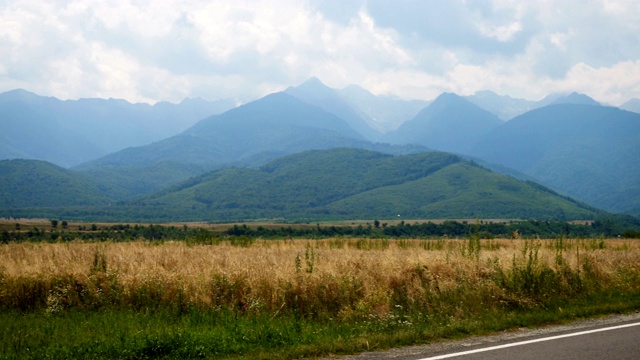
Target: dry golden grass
pixel 339 277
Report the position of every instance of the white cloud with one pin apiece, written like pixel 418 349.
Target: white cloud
pixel 611 85
pixel 149 51
pixel 500 32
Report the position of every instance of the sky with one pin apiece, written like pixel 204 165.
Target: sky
pixel 149 51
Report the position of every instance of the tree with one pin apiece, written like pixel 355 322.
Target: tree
pixel 54 223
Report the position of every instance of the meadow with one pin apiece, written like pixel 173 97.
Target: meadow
pixel 253 298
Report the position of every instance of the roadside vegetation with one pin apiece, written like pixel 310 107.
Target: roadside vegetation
pixel 228 296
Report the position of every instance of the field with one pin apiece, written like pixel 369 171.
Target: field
pixel 252 298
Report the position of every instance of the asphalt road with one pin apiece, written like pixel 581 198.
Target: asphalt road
pixel 615 337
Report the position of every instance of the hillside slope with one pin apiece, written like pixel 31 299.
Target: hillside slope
pixel 588 152
pixel 351 183
pixel 35 183
pixel 450 123
pixel 314 92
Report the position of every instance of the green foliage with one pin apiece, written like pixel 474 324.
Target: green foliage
pixel 351 183
pixel 124 182
pixel 32 183
pixel 328 185
pixel 369 237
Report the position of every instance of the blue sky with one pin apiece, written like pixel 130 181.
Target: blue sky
pixel 148 51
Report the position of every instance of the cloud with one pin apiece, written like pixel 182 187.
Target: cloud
pixel 146 51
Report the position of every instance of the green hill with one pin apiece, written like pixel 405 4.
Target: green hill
pixel 35 183
pixel 350 183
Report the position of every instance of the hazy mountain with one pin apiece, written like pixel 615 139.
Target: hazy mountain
pixel 350 183
pixel 575 98
pixel 252 134
pixel 589 152
pixel 450 123
pixel 631 105
pixel 507 107
pixel 34 183
pixel 34 132
pixel 565 98
pixel 504 106
pixel 384 113
pixel 314 92
pixel 74 131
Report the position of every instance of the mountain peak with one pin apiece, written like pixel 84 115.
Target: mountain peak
pixel 312 83
pixel 312 87
pixel 576 98
pixel 19 94
pixel 448 99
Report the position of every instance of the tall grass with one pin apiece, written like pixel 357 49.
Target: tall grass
pixel 314 278
pixel 372 284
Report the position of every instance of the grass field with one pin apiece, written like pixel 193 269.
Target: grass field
pixel 297 298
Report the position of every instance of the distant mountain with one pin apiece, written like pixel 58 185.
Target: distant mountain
pixel 586 151
pixel 450 123
pixel 36 184
pixel 249 135
pixel 74 131
pixel 631 105
pixel 33 132
pixel 384 113
pixel 504 106
pixel 507 107
pixel 565 98
pixel 314 92
pixel 351 183
pixel 575 98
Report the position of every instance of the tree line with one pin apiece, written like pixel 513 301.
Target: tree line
pixel 608 227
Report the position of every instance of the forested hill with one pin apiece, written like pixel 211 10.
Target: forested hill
pixel 34 183
pixel 351 183
pixel 341 183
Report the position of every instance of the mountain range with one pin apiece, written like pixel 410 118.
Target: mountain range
pixel 71 132
pixel 250 135
pixel 567 142
pixel 589 152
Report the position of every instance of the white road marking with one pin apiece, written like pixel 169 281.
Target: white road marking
pixel 446 356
